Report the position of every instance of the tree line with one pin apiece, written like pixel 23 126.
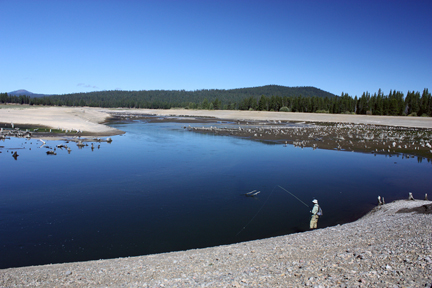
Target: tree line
pixel 414 104
pixel 265 98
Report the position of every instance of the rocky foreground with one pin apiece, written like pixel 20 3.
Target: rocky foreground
pixel 389 247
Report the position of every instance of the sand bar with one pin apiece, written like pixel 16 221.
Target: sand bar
pixel 66 118
pixel 403 121
pixel 91 119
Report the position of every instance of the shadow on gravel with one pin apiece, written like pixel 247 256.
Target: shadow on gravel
pixel 424 209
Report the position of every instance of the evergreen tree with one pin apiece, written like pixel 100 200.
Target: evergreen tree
pixel 263 103
pixel 205 104
pixel 424 102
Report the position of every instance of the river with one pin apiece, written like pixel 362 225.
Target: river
pixel 161 188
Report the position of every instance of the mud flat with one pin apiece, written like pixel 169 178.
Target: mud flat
pixel 410 142
pixel 91 120
pixel 389 247
pixel 354 133
pixel 402 121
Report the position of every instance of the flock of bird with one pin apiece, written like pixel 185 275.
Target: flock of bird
pixel 27 134
pixel 340 136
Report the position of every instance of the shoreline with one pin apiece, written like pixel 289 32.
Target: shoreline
pixel 383 248
pixel 409 136
pixel 400 121
pixel 92 119
pixel 66 120
pixel 389 246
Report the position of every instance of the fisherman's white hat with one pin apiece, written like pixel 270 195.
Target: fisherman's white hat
pixel 315 201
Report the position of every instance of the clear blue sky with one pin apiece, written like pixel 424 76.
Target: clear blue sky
pixel 61 46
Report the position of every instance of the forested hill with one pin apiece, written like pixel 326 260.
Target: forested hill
pixel 180 98
pixel 183 98
pixel 277 90
pixel 265 98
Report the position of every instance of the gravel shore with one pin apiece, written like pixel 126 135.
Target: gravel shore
pixel 389 247
pixel 383 249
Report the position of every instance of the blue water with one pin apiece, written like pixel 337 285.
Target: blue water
pixel 162 188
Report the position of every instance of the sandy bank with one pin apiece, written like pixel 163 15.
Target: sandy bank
pixel 414 122
pixel 89 120
pixel 383 249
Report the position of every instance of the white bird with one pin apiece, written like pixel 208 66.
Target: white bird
pixel 43 143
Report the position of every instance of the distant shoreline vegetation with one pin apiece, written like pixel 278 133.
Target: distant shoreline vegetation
pixel 264 98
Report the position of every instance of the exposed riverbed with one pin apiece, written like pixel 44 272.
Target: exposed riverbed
pixel 110 199
pixel 384 249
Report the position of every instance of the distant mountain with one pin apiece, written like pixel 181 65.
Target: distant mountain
pixel 240 98
pixel 277 90
pixel 26 93
pixel 211 94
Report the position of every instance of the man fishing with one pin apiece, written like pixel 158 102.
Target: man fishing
pixel 316 212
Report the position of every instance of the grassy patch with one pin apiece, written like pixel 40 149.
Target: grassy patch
pixel 14 106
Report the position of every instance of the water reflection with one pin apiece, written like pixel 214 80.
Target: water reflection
pixel 161 188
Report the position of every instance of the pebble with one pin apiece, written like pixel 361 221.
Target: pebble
pixel 382 249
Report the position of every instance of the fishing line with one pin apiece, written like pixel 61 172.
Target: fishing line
pixel 250 221
pixel 256 213
pixel 294 196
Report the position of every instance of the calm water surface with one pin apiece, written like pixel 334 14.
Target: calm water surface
pixel 161 188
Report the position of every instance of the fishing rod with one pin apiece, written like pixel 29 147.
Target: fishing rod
pixel 294 196
pixel 265 202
